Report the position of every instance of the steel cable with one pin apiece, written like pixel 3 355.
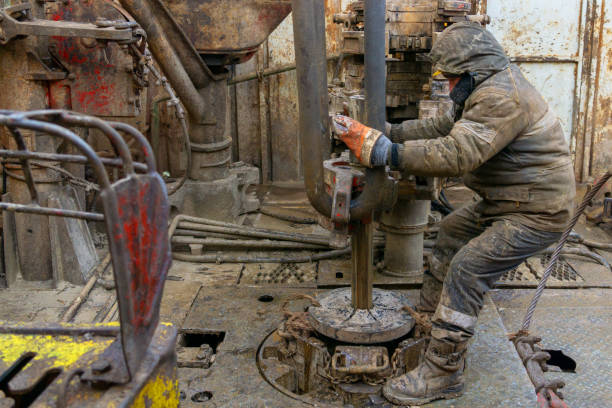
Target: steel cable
pixel 555 255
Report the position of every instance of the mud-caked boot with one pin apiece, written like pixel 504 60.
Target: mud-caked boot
pixel 438 376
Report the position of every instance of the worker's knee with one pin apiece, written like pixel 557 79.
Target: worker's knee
pixel 463 270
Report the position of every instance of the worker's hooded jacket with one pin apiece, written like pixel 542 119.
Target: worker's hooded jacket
pixel 507 144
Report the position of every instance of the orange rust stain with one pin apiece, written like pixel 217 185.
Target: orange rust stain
pixel 333 31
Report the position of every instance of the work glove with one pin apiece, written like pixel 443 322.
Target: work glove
pixel 369 145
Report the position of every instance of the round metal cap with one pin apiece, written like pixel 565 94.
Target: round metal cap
pixel 385 321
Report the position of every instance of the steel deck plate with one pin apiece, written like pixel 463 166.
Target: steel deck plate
pixel 580 324
pixel 495 375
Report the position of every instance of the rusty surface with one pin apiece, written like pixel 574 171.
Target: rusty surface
pixel 45 366
pixel 206 23
pixel 136 215
pixel 100 77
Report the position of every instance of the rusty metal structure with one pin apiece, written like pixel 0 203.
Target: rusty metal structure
pixel 193 57
pixel 94 57
pixel 135 361
pixel 84 80
pixel 353 196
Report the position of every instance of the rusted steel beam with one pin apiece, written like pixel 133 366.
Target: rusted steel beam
pixel 11 28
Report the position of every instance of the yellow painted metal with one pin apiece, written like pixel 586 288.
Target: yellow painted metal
pixel 66 347
pixel 161 391
pixel 58 351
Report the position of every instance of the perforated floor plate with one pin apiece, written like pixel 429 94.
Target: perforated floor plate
pixel 570 272
pixel 580 324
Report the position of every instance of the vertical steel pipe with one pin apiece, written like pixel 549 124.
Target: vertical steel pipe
pixel 362 277
pixel 375 71
pixel 375 66
pixel 313 98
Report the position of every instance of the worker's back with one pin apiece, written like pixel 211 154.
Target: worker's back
pixel 533 175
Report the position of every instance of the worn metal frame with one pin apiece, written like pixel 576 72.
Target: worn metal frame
pixel 136 215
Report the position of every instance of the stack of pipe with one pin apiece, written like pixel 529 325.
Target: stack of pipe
pixel 215 235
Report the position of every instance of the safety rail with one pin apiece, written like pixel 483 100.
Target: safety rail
pixel 135 212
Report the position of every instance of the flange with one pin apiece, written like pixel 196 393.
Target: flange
pixel 338 319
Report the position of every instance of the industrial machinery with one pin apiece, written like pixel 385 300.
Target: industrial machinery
pixel 101 58
pixel 410 29
pixel 351 340
pixel 130 364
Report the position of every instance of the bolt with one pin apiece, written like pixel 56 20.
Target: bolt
pixel 72 76
pixel 100 367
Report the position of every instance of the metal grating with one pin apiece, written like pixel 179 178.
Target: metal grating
pixel 283 273
pixel 518 274
pixel 562 272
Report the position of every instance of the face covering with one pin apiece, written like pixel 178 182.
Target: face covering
pixel 463 89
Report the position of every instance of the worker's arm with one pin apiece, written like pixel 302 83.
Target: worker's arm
pixel 490 121
pixel 430 128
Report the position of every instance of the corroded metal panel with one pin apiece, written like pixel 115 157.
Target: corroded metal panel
pixel 536 27
pixel 222 26
pixel 601 156
pixel 546 40
pixel 557 83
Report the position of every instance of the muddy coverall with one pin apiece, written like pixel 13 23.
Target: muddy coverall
pixel 510 149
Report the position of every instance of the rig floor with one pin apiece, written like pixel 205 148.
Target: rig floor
pixel 234 307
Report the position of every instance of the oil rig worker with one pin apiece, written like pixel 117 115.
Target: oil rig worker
pixel 510 149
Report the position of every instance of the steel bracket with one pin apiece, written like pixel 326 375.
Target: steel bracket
pixel 11 28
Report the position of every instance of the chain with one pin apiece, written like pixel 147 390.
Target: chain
pixel 348 379
pixel 373 380
pixel 144 65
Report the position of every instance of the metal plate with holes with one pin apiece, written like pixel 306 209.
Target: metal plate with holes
pixel 288 274
pixel 581 331
pixel 528 274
